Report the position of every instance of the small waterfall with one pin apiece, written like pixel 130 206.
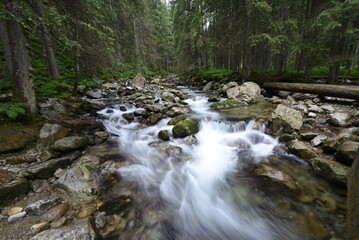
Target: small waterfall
pixel 201 191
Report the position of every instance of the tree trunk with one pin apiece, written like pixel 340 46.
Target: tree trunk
pixel 51 62
pixel 353 202
pixel 320 89
pixel 137 48
pixel 6 46
pixel 333 73
pixel 247 58
pixel 22 79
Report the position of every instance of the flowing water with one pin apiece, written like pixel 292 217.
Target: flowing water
pixel 205 187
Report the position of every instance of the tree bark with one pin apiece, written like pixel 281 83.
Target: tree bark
pixel 21 76
pixel 247 58
pixel 51 62
pixel 6 46
pixel 341 91
pixel 333 73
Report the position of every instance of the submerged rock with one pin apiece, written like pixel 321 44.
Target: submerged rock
pixel 276 175
pixel 154 119
pixel 226 104
pixel 332 171
pixel 185 128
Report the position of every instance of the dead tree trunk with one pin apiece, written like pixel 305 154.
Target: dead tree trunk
pixel 21 76
pixel 341 91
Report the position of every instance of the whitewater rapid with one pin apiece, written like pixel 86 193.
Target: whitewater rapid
pixel 198 183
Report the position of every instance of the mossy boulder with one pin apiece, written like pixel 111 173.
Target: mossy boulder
pixel 16 137
pixel 213 99
pixel 163 134
pixel 225 104
pixel 331 145
pixel 175 120
pixel 154 119
pixel 185 128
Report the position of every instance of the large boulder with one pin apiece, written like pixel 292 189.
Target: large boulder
pixel 52 132
pixel 228 86
pixel 347 152
pixel 207 87
pixel 331 170
pixel 81 178
pixel 185 128
pixel 70 143
pixel 248 92
pixel 285 120
pixel 301 149
pixel 139 81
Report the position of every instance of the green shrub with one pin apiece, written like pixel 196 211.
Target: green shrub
pixel 88 82
pixel 12 110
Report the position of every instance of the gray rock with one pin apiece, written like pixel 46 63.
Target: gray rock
pixel 276 175
pixel 331 145
pixel 79 230
pixel 96 104
pixel 53 108
pixel 347 152
pixel 154 108
pixel 48 168
pixel 154 119
pixel 40 207
pixel 332 171
pixel 94 94
pixel 81 178
pixel 301 149
pixel 207 87
pixel 328 108
pixel 318 140
pixel 340 119
pixel 228 86
pixel 55 213
pixel 13 189
pixel 284 120
pixel 100 136
pixel 168 96
pixel 139 81
pixel 248 92
pixel 308 135
pixel 312 115
pixel 52 131
pixel 16 217
pixel 176 111
pixel 70 143
pixel 314 108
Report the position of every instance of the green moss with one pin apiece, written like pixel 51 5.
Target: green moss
pixel 163 134
pixel 175 120
pixel 185 128
pixel 225 104
pixel 213 99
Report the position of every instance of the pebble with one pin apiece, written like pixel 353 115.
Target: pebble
pixel 17 217
pixel 14 211
pixel 39 227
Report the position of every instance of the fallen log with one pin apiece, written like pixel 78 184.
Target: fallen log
pixel 340 91
pixel 339 77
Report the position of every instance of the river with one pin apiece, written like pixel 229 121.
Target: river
pixel 207 186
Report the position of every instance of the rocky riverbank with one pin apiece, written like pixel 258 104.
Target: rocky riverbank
pixel 55 174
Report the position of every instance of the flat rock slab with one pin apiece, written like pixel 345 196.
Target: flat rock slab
pixel 13 188
pixel 14 138
pixel 40 207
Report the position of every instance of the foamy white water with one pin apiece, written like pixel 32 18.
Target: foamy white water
pixel 198 190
